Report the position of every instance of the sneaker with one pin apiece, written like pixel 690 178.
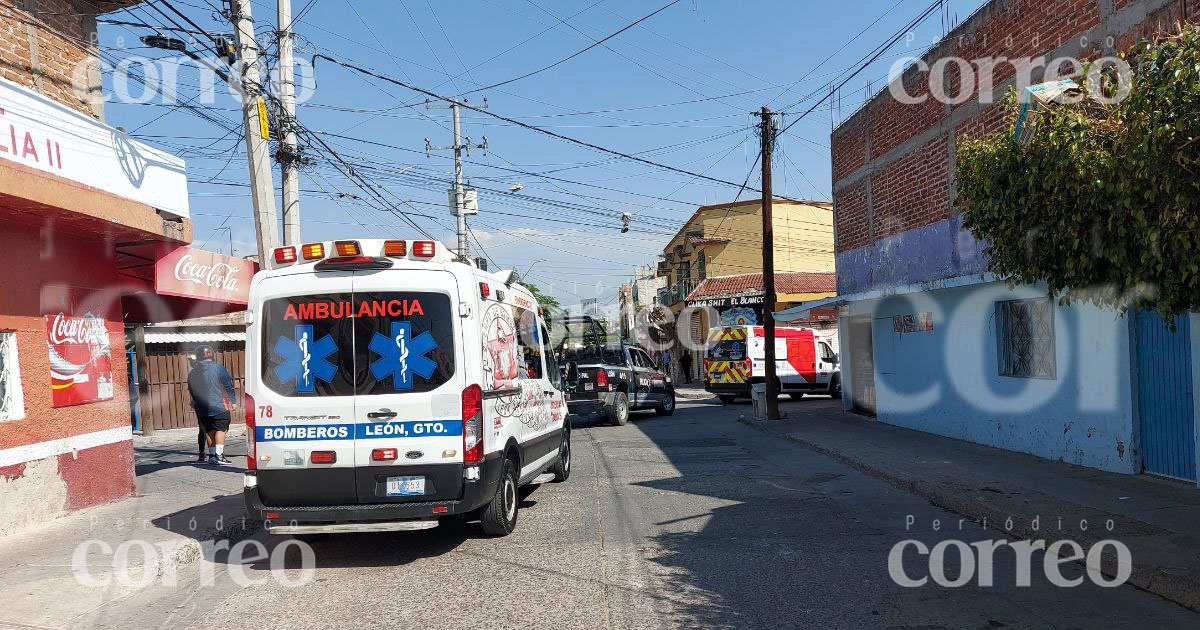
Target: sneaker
pixel 202 459
pixel 220 460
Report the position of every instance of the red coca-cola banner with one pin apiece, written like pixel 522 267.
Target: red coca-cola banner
pixel 205 275
pixel 80 358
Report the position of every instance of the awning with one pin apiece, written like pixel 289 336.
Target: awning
pixel 193 337
pixel 802 310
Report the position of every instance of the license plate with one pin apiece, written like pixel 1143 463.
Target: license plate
pixel 587 387
pixel 405 486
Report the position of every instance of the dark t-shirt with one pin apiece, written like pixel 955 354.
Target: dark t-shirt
pixel 211 389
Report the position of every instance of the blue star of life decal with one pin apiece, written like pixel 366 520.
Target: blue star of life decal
pixel 401 356
pixel 305 360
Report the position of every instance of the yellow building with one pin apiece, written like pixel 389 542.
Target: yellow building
pixel 715 260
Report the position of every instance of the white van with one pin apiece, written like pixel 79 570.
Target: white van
pixel 388 385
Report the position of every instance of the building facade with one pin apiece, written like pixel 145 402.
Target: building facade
pixel 931 340
pixel 80 203
pixel 712 267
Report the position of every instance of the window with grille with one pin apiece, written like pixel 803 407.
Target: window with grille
pixel 1025 338
pixel 12 403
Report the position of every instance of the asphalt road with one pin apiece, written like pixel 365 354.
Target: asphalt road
pixel 689 521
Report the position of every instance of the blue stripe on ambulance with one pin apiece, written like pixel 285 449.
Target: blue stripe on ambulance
pixel 409 429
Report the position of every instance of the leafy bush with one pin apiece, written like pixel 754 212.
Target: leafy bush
pixel 1103 203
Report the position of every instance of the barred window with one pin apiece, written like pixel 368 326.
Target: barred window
pixel 12 403
pixel 1025 338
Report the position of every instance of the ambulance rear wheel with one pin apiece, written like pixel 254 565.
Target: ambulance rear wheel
pixel 727 398
pixel 562 466
pixel 499 517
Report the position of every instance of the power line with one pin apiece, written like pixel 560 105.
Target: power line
pixel 524 125
pixel 580 51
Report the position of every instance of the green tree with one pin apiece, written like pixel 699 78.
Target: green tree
pixel 1103 203
pixel 542 299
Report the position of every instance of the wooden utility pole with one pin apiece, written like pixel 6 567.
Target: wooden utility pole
pixel 262 191
pixel 289 165
pixel 768 254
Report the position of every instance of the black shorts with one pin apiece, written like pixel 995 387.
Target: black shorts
pixel 219 423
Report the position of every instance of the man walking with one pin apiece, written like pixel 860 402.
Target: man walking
pixel 685 362
pixel 213 399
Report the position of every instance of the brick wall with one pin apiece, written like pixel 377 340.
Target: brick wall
pixel 893 162
pixel 44 45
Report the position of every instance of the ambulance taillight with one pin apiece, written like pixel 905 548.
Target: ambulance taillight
pixel 323 457
pixel 748 365
pixel 472 414
pixel 248 413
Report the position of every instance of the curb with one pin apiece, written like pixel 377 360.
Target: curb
pixel 1180 589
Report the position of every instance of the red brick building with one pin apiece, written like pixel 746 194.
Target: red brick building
pixel 931 340
pixel 82 207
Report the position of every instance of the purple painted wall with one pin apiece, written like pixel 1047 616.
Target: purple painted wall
pixel 933 252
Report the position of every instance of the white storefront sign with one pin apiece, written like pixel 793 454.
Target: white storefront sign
pixel 39 133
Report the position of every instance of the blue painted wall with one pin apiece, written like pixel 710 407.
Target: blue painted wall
pixel 947 381
pixel 933 252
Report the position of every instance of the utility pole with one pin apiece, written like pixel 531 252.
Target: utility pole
pixel 459 206
pixel 768 254
pixel 288 155
pixel 254 109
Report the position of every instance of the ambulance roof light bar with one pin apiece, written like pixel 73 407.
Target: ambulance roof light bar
pixel 424 249
pixel 285 255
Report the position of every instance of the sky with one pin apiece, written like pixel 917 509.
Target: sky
pixel 679 88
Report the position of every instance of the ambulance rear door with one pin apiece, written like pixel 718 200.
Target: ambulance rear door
pixel 409 378
pixel 301 364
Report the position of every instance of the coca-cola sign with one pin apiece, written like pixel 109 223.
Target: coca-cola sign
pixel 80 358
pixel 205 275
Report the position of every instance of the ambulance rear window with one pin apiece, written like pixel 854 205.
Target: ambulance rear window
pixel 728 350
pixel 342 344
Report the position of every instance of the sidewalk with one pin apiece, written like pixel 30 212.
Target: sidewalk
pixel 691 391
pixel 1158 520
pixel 178 505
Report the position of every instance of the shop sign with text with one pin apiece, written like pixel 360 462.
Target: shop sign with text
pixel 204 275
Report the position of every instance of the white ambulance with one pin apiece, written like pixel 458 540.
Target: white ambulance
pixel 388 385
pixel 805 361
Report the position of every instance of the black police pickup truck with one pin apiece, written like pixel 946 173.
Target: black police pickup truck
pixel 614 378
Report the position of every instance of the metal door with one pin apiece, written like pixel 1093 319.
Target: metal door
pixel 1165 406
pixel 862 365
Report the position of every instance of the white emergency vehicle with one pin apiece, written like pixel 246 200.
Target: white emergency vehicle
pixel 388 385
pixel 805 361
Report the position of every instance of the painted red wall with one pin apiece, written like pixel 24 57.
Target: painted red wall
pixel 30 260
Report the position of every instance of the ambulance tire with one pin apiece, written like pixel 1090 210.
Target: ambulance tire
pixel 727 398
pixel 618 411
pixel 562 465
pixel 499 517
pixel 667 406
